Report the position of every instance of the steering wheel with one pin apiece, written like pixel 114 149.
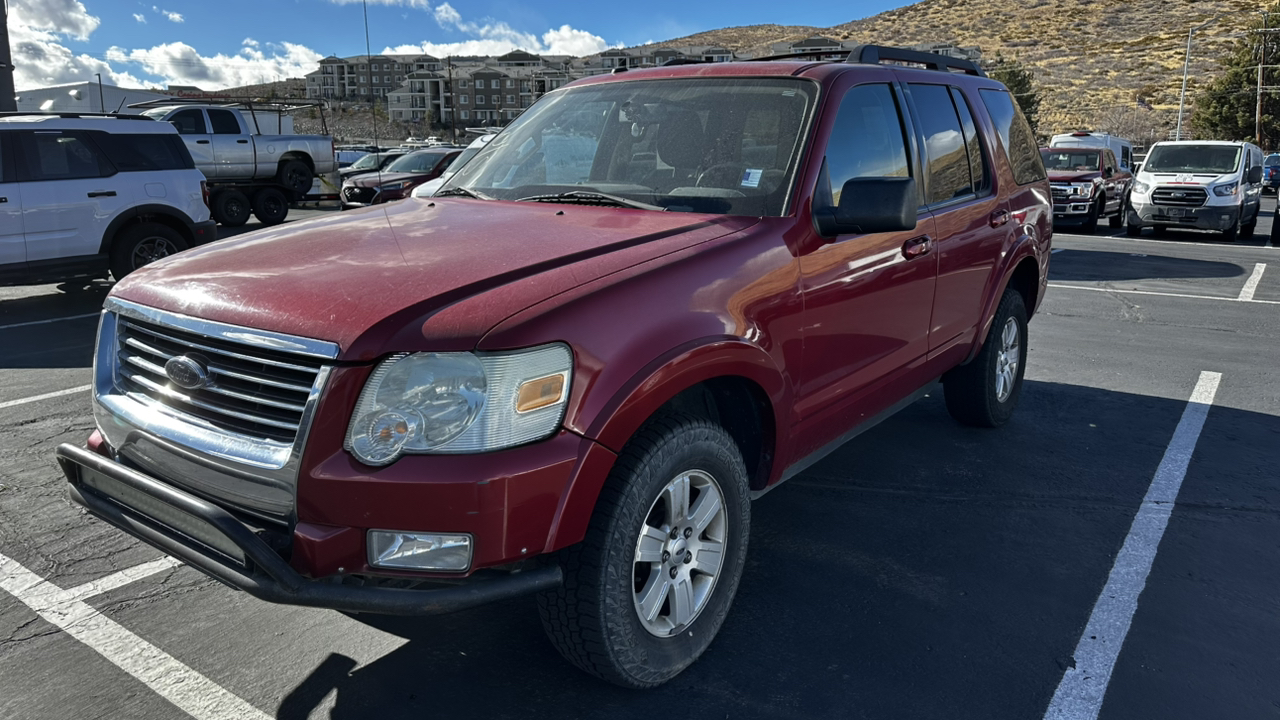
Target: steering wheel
pixel 714 175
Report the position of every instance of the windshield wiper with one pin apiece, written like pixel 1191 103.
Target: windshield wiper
pixel 587 197
pixel 464 192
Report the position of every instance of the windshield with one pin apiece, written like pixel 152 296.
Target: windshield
pixel 1271 160
pixel 463 157
pixel 1203 159
pixel 713 145
pixel 368 162
pixel 416 162
pixel 1070 161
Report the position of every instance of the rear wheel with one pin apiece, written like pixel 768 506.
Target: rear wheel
pixel 1117 220
pixel 270 206
pixel 230 208
pixel 648 588
pixel 143 244
pixel 985 392
pixel 295 176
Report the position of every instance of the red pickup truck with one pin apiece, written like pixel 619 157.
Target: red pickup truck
pixel 653 297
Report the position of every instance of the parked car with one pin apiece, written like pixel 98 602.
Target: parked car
pixel 1088 185
pixel 655 296
pixel 1121 148
pixel 247 171
pixel 398 179
pixel 372 162
pixel 429 188
pixel 1271 173
pixel 1195 184
pixel 84 195
pixel 346 157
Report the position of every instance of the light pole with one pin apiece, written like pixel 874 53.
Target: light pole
pixel 102 104
pixel 1186 65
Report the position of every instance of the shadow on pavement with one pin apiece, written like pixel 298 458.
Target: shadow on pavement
pixel 894 579
pixel 1108 266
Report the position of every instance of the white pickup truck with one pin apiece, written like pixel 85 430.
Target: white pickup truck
pixel 247 170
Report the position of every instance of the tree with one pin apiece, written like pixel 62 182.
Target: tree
pixel 1022 83
pixel 1227 108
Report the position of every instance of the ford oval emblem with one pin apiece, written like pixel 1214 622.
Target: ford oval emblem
pixel 187 372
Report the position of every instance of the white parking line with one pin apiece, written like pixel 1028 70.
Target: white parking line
pixel 192 692
pixel 46 396
pixel 1166 243
pixel 1251 285
pixel 120 579
pixel 1055 251
pixel 1079 695
pixel 50 320
pixel 1063 286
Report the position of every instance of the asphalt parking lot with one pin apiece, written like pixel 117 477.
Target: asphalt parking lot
pixel 924 570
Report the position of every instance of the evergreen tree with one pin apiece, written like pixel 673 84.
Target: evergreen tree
pixel 1022 83
pixel 1226 108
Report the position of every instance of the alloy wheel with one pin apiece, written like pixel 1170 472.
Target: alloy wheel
pixel 1007 359
pixel 151 249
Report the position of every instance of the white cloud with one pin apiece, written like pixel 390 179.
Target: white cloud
pixel 59 17
pixel 140 18
pixel 250 42
pixel 496 38
pixel 37 31
pixel 180 64
pixel 172 16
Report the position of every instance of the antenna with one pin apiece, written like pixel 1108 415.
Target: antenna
pixel 117 111
pixel 373 102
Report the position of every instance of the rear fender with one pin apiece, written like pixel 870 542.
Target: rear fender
pixel 1027 244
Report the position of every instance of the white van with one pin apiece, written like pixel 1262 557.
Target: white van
pixel 1118 145
pixel 1196 184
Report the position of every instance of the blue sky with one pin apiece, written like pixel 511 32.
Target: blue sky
pixel 210 44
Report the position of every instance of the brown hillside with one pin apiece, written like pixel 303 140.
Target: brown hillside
pixel 1091 57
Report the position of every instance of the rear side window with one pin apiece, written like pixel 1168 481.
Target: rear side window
pixel 1126 156
pixel 62 155
pixel 867 140
pixel 1016 138
pixel 224 122
pixel 136 153
pixel 973 145
pixel 948 160
pixel 4 176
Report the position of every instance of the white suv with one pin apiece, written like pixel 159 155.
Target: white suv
pixel 82 195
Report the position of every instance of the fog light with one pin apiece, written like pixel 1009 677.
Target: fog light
pixel 419 551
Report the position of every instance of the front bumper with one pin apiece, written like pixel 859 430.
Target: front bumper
pixel 1207 217
pixel 1072 210
pixel 215 542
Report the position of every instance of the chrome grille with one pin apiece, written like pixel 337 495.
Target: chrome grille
pixel 1060 192
pixel 252 391
pixel 1179 196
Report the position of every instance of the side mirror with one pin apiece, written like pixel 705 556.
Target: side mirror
pixel 1255 175
pixel 867 205
pixel 1108 172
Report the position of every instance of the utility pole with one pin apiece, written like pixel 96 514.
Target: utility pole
pixel 1262 62
pixel 453 115
pixel 7 100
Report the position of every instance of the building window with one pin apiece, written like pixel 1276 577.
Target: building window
pixel 362 67
pixel 511 83
pixel 511 99
pixel 466 115
pixel 462 99
pixel 462 84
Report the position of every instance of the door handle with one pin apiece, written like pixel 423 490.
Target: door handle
pixel 999 217
pixel 4 200
pixel 103 193
pixel 916 247
pixel 202 142
pixel 243 142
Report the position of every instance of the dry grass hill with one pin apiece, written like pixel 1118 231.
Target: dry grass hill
pixel 1092 58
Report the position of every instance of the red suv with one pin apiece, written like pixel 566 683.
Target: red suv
pixel 653 297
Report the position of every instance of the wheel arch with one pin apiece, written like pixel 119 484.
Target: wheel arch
pixel 168 216
pixel 296 155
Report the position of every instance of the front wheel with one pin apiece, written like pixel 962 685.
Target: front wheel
pixel 1091 223
pixel 648 588
pixel 985 392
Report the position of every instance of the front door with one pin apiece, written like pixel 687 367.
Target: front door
pixel 971 221
pixel 232 148
pixel 13 253
pixel 70 194
pixel 867 297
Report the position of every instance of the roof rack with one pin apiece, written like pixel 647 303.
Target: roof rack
pixel 279 106
pixel 69 115
pixel 684 61
pixel 875 54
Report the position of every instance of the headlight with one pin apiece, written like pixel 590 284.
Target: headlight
pixel 1141 188
pixel 459 403
pixel 1083 189
pixel 394 186
pixel 1227 189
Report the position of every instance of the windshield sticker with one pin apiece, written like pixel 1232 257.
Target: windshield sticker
pixel 751 177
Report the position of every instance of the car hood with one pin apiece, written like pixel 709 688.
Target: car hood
pixel 384 178
pixel 1071 176
pixel 362 278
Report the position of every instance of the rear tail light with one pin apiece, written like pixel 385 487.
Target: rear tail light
pixel 204 193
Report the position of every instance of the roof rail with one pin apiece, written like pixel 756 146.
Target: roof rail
pixel 684 61
pixel 874 54
pixel 70 115
pixel 817 54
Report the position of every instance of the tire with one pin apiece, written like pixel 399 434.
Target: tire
pixel 1247 230
pixel 230 208
pixel 1117 220
pixel 594 619
pixel 142 244
pixel 1133 230
pixel 1232 233
pixel 295 176
pixel 985 392
pixel 1090 225
pixel 270 206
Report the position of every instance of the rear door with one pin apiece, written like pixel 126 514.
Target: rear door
pixel 970 220
pixel 70 194
pixel 232 147
pixel 13 253
pixel 194 129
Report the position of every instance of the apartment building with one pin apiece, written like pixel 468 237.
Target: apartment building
pixel 478 91
pixel 364 76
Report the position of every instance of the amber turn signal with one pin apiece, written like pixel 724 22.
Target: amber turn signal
pixel 539 393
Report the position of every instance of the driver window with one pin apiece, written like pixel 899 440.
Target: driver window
pixel 867 140
pixel 190 122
